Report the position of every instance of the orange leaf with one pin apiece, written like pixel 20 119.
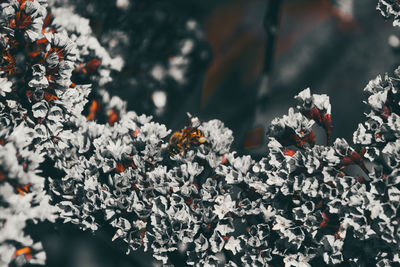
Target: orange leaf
pixel 26 251
pixel 112 117
pixel 289 152
pixel 22 189
pixel 120 167
pixel 49 97
pixel 93 109
pixel 92 65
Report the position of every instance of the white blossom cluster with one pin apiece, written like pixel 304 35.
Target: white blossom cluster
pixel 301 205
pixel 379 136
pixel 92 57
pixel 40 108
pixel 22 197
pixel 35 69
pixel 390 9
pixel 94 164
pixel 125 175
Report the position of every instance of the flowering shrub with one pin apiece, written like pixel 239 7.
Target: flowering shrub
pixel 93 163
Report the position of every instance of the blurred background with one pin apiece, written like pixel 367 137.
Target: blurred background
pixel 215 59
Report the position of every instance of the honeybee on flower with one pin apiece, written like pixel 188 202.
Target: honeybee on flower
pixel 184 139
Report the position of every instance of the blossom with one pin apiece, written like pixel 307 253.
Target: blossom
pixel 218 135
pixel 233 245
pixel 317 108
pixel 25 16
pixel 223 206
pixel 361 136
pixel 5 86
pixel 164 190
pixel 22 197
pixel 298 260
pixel 389 9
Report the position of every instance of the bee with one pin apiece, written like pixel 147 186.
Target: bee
pixel 184 139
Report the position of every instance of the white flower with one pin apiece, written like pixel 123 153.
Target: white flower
pixel 281 224
pixel 218 135
pixel 361 136
pixel 374 85
pixel 152 132
pixel 5 86
pixel 300 124
pixel 322 102
pixel 224 228
pixel 201 243
pixel 216 242
pixel 377 100
pixel 40 109
pixel 241 164
pixel 233 245
pixel 223 206
pixel 297 260
pixel 304 95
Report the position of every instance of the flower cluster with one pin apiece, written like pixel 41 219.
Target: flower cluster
pixel 77 155
pixel 22 197
pixel 390 9
pixel 148 187
pixel 303 204
pixel 35 70
pixel 378 138
pixel 317 108
pixel 40 110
